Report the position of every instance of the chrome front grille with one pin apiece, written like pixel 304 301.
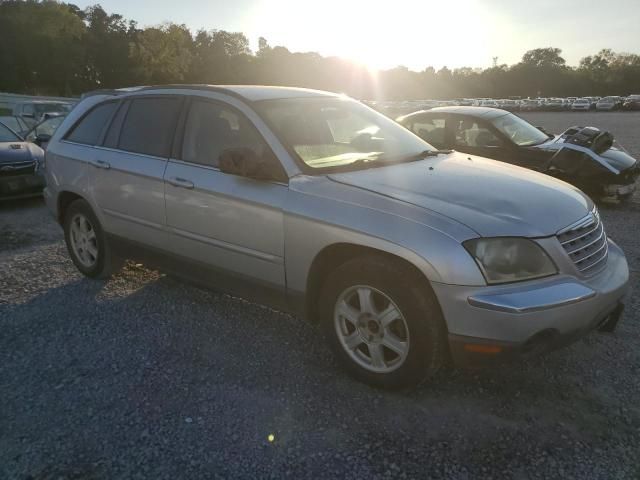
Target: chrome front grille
pixel 586 243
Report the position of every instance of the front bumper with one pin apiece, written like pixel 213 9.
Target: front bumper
pixel 503 321
pixel 20 186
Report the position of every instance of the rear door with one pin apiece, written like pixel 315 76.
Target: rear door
pixel 126 176
pixel 228 222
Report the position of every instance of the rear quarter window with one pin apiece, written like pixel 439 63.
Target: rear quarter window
pixel 88 130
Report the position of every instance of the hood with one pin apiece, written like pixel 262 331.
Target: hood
pixel 11 152
pixel 490 197
pixel 614 156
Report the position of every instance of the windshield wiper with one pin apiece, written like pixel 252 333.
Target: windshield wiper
pixel 422 155
pixel 381 160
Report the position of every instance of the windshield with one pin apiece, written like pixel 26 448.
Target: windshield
pixel 11 122
pixel 47 127
pixel 520 131
pixel 7 135
pixel 328 132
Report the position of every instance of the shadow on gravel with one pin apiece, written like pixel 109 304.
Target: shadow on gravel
pixel 154 372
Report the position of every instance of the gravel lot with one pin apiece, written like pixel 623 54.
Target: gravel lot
pixel 145 377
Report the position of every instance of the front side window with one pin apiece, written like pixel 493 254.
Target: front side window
pixel 329 132
pixel 212 128
pixel 150 125
pixel 521 132
pixel 87 131
pixel 472 133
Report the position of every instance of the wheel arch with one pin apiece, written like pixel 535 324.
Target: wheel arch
pixel 65 198
pixel 334 255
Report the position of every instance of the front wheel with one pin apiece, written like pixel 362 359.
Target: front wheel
pixel 383 322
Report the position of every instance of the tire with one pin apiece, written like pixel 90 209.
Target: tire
pixel 92 256
pixel 418 325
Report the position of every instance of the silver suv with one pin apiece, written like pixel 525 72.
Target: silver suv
pixel 313 203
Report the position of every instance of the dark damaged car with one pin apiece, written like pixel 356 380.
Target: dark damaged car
pixel 21 166
pixel 583 156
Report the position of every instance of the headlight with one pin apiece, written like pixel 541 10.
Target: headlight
pixel 503 260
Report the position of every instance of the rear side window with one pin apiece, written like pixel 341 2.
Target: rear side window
pixel 87 131
pixel 149 126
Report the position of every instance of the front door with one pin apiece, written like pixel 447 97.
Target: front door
pixel 231 223
pixel 477 137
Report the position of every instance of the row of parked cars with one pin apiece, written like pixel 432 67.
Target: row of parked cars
pixel 609 103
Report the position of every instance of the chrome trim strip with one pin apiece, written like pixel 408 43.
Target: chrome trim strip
pixel 590 255
pixel 604 257
pixel 587 245
pixel 227 246
pixel 536 299
pixel 574 239
pixel 592 215
pixel 137 220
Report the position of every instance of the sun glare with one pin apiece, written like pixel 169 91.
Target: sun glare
pixel 380 34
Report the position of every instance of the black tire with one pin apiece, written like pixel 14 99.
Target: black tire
pixel 414 298
pixel 105 264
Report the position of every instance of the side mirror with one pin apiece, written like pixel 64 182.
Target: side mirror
pixel 244 162
pixel 42 138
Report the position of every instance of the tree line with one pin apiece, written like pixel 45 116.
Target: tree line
pixel 50 47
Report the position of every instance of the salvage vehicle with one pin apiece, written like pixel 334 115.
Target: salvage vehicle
pixel 21 164
pixel 315 204
pixel 582 156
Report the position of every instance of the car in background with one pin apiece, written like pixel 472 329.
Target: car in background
pixel 554 104
pixel 405 256
pixel 15 123
pixel 631 103
pixel 609 103
pixel 509 105
pixel 581 104
pixel 582 156
pixel 488 103
pixel 41 133
pixel 529 105
pixel 21 166
pixel 34 111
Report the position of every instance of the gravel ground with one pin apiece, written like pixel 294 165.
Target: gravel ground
pixel 145 377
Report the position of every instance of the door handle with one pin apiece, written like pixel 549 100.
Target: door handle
pixel 180 182
pixel 101 164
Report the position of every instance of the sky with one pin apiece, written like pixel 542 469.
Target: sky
pixel 412 33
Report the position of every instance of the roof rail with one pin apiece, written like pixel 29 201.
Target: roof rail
pixel 111 91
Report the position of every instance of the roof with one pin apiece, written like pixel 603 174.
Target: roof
pixel 479 112
pixel 251 93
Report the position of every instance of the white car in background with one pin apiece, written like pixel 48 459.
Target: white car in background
pixel 609 103
pixel 581 104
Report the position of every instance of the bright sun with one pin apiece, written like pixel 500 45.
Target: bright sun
pixel 380 34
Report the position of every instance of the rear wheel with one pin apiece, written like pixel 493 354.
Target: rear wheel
pixel 383 322
pixel 86 241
